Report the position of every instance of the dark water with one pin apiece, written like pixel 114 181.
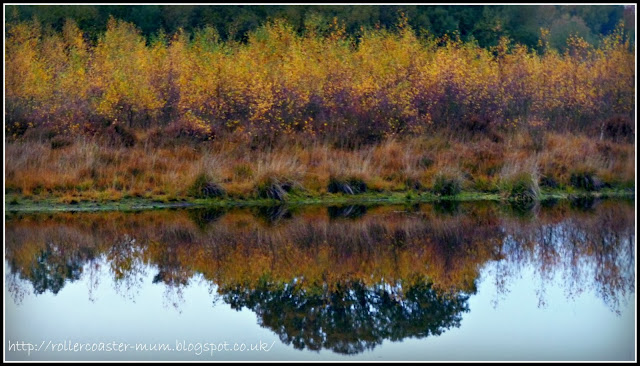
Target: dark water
pixel 428 282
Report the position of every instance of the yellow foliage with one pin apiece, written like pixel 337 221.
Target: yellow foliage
pixel 282 82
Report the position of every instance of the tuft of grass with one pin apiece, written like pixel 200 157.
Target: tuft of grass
pixel 346 185
pixel 276 187
pixel 204 186
pixel 521 187
pixel 482 183
pixel 243 171
pixel 447 184
pixel 549 182
pixel 586 180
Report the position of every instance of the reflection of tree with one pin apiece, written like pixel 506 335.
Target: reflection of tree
pixel 172 256
pixel 591 249
pixel 612 247
pixel 353 317
pixel 588 249
pixel 170 269
pixel 125 257
pixel 94 273
pixel 15 287
pixel 53 267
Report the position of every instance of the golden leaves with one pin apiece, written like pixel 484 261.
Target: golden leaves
pixel 279 76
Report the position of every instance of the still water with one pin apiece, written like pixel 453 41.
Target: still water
pixel 426 282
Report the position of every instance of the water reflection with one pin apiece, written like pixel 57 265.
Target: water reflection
pixel 351 212
pixel 351 318
pixel 337 278
pixel 272 214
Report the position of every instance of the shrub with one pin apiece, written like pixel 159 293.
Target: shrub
pixel 324 97
pixel 40 134
pixel 447 184
pixel 347 185
pixel 476 124
pixel 205 187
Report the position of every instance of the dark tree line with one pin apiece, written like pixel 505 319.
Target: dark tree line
pixel 484 23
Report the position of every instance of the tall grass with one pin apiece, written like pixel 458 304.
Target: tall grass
pixel 90 169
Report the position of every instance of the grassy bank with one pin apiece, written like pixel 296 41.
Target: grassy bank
pixel 518 167
pixel 312 117
pixel 18 203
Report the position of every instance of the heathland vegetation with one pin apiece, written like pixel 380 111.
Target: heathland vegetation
pixel 284 113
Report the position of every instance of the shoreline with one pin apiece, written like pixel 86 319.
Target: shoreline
pixel 20 204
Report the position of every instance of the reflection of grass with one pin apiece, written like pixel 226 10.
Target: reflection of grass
pixel 272 214
pixel 351 212
pixel 450 207
pixel 203 216
pixel 582 202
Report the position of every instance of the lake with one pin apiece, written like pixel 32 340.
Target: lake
pixel 445 281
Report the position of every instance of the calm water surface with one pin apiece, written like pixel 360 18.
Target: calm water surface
pixel 425 282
